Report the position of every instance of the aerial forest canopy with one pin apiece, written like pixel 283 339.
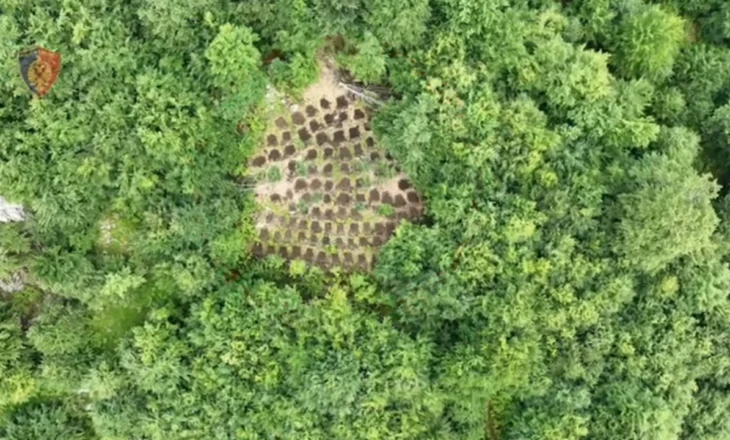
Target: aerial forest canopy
pixel 568 277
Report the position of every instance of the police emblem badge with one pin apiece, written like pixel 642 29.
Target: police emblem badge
pixel 39 68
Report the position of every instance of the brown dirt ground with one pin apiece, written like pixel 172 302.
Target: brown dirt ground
pixel 333 219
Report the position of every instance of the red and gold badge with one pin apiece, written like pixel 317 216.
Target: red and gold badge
pixel 40 68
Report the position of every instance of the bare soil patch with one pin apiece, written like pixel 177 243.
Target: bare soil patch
pixel 335 218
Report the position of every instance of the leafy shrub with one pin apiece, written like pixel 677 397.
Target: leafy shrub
pixel 42 420
pixel 367 64
pixel 295 75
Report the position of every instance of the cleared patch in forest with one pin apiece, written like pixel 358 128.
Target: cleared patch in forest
pixel 327 194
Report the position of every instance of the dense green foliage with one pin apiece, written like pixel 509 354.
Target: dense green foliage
pixel 570 279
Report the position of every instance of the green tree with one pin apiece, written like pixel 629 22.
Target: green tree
pixel 234 64
pixel 367 64
pixel 647 42
pixel 397 24
pixel 668 215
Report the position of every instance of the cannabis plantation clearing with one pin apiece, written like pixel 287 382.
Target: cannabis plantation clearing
pixel 326 193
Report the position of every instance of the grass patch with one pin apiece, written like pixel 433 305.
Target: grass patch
pixel 386 210
pixel 274 174
pixel 302 169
